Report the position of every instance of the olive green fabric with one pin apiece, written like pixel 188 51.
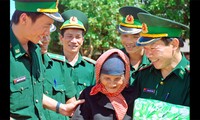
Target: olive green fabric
pixel 175 88
pixel 130 23
pixel 158 25
pixel 48 7
pixel 134 72
pixel 73 22
pixel 154 27
pixel 34 5
pixel 133 11
pixel 76 13
pixel 26 81
pixel 82 74
pixel 56 85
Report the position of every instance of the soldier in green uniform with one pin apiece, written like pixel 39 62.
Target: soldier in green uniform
pixel 56 84
pixel 168 78
pixel 80 71
pixel 30 22
pixel 129 29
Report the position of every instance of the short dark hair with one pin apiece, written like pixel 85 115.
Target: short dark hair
pixel 167 40
pixel 33 15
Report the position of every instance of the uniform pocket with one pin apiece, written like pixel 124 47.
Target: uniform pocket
pixel 59 92
pixel 59 88
pixel 19 85
pixel 83 82
pixel 21 94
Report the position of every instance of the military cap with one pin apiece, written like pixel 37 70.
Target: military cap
pixel 130 23
pixel 114 65
pixel 154 28
pixel 48 7
pixel 74 19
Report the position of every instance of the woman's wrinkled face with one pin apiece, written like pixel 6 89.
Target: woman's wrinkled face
pixel 112 82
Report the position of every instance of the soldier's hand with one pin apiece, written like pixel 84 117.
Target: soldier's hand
pixel 68 109
pixel 11 118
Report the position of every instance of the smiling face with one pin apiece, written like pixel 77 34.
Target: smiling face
pixel 129 42
pixel 72 40
pixel 160 54
pixel 35 31
pixel 112 83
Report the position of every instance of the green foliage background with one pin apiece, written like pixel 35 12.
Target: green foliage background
pixel 103 17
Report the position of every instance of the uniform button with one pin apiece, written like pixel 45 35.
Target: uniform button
pixel 22 88
pixel 161 83
pixel 61 90
pixel 84 84
pixel 46 92
pixel 36 101
pixel 34 83
pixel 72 68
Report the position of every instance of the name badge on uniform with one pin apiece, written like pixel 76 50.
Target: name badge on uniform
pixel 148 90
pixel 20 79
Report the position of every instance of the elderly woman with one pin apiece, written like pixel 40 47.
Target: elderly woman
pixel 110 98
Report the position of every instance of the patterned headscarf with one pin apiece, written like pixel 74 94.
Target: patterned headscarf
pixel 117 100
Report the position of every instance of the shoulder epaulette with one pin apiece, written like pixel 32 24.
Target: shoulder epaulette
pixel 187 67
pixel 143 68
pixel 56 57
pixel 89 60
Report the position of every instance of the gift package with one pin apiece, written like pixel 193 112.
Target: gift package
pixel 150 109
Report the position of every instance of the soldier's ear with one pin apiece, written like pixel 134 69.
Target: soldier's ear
pixel 23 18
pixel 175 42
pixel 61 38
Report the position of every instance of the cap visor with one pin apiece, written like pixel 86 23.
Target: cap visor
pixel 73 26
pixel 142 41
pixel 52 28
pixel 126 30
pixel 56 16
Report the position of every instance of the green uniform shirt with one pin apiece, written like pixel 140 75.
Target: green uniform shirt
pixel 56 85
pixel 134 72
pixel 26 81
pixel 82 74
pixel 175 88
